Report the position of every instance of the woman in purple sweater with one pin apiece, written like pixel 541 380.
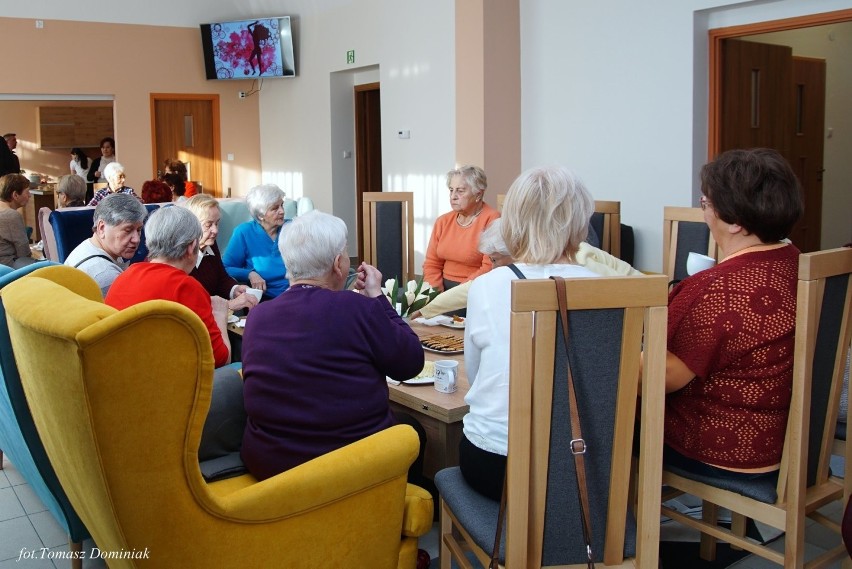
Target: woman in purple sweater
pixel 316 357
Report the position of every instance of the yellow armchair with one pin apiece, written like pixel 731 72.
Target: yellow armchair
pixel 122 398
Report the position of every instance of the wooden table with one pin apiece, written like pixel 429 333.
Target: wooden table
pixel 439 413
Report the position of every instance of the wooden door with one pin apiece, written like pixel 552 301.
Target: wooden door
pixel 186 127
pixel 368 146
pixel 757 88
pixel 809 115
pixel 771 99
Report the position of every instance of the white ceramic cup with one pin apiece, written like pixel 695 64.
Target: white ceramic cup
pixel 696 262
pixel 256 292
pixel 445 375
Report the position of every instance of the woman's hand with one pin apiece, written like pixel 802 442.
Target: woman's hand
pixel 242 300
pixel 369 280
pixel 257 281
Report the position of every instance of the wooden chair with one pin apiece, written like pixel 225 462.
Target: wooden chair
pixel 607 318
pixel 99 186
pixel 823 329
pixel 606 221
pixel 387 233
pixel 684 230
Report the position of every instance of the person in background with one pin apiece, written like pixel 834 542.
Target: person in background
pixel 729 365
pixel 14 243
pixel 96 170
pixel 209 270
pixel 79 165
pixel 114 173
pixel 452 256
pixel 177 167
pixel 176 185
pixel 309 389
pixel 71 191
pixel 116 235
pixel 491 244
pixel 8 161
pixel 155 191
pixel 252 254
pixel 12 143
pixel 172 235
pixel 545 218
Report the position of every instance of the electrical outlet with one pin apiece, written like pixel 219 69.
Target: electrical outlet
pixel 39 24
pixel 241 95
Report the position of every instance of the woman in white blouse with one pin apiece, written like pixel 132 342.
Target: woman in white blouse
pixel 545 218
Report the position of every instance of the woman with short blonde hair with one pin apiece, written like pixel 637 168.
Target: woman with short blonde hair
pixel 545 218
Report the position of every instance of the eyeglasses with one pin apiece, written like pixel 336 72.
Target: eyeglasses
pixel 704 202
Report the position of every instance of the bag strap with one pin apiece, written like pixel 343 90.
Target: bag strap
pixel 92 257
pixel 517 271
pixel 578 444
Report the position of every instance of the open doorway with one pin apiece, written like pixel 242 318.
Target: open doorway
pixel 815 44
pixel 368 147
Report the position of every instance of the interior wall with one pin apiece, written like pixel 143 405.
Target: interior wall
pixel 834 44
pixel 631 119
pixel 416 72
pixel 21 117
pixel 127 63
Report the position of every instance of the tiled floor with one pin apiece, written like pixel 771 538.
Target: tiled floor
pixel 26 526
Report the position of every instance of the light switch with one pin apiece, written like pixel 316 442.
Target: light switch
pixel 230 156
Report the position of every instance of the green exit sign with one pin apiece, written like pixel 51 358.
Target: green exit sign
pixel 350 56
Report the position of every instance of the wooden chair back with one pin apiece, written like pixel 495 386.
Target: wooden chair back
pixel 606 221
pixel 99 186
pixel 684 230
pixel 823 332
pixel 612 314
pixel 387 233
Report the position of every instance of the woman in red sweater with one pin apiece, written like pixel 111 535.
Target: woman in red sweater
pixel 453 255
pixel 729 365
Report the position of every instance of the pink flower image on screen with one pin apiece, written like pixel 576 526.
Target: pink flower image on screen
pixel 251 51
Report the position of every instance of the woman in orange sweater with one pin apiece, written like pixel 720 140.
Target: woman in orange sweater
pixel 453 255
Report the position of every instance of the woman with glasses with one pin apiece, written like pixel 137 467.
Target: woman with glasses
pixel 730 328
pixel 252 254
pixel 453 256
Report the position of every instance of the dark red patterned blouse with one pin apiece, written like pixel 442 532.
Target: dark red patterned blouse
pixel 733 326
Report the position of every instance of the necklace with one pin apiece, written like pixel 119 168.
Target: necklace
pixel 470 219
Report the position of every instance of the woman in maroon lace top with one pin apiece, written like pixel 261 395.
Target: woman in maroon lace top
pixel 730 328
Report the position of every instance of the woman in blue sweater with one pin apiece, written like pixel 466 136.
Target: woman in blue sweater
pixel 252 255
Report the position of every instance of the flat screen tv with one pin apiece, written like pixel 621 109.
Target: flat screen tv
pixel 248 49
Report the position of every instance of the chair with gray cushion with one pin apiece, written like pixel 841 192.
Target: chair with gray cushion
pixel 18 436
pixel 606 221
pixel 684 230
pixel 607 320
pixel 387 233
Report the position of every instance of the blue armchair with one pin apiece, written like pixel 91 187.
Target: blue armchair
pixel 18 436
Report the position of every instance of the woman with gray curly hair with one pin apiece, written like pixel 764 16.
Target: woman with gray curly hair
pixel 252 255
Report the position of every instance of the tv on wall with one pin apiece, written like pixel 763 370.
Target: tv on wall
pixel 248 49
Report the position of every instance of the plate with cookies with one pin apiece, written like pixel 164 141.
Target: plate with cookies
pixel 447 344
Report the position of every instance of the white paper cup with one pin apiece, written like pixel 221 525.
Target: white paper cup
pixel 256 292
pixel 696 262
pixel 445 375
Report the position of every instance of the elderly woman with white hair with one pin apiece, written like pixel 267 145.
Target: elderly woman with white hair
pixel 114 174
pixel 545 218
pixel 252 255
pixel 172 235
pixel 452 256
pixel 301 375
